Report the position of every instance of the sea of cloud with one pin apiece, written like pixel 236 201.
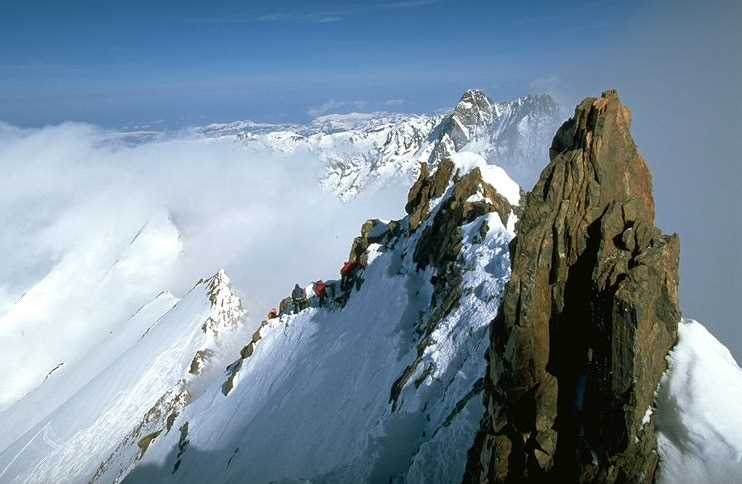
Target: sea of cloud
pixel 93 227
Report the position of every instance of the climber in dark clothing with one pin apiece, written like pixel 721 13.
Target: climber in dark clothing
pixel 285 306
pixel 299 297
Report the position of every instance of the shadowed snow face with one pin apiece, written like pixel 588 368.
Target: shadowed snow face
pixel 93 229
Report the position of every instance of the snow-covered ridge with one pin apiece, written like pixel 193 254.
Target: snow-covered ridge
pixel 162 386
pixel 383 381
pixel 99 433
pixel 365 150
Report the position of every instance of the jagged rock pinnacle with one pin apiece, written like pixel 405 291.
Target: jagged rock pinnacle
pixel 473 113
pixel 588 316
pixel 227 311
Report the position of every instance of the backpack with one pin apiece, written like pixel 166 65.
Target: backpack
pixel 320 289
pixel 347 268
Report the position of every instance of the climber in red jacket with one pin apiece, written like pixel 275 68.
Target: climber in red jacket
pixel 320 290
pixel 345 273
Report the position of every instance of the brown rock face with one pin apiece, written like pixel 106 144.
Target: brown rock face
pixel 439 244
pixel 427 188
pixel 589 314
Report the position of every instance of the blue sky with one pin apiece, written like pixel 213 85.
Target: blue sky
pixel 183 62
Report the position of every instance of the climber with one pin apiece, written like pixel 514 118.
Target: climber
pixel 272 313
pixel 284 307
pixel 299 298
pixel 345 273
pixel 320 289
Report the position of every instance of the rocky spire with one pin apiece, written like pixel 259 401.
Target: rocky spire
pixel 470 118
pixel 226 307
pixel 589 314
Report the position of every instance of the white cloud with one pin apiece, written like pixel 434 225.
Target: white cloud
pixel 315 16
pixel 302 17
pixel 394 102
pixel 408 4
pixel 73 201
pixel 332 106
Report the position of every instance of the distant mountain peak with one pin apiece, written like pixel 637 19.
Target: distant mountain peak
pixel 364 150
pixel 475 108
pixel 218 286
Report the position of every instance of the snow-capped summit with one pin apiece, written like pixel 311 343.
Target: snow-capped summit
pixel 471 118
pixel 365 150
pixel 514 135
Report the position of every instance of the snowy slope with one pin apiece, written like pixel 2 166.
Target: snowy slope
pixel 699 411
pixel 100 432
pixel 126 265
pixel 387 386
pixel 60 386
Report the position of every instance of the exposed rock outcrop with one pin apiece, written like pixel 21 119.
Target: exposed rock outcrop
pixel 373 231
pixel 589 314
pixel 468 197
pixel 428 187
pixel 227 308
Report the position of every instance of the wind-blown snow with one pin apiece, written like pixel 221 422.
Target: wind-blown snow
pixel 82 300
pixel 699 411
